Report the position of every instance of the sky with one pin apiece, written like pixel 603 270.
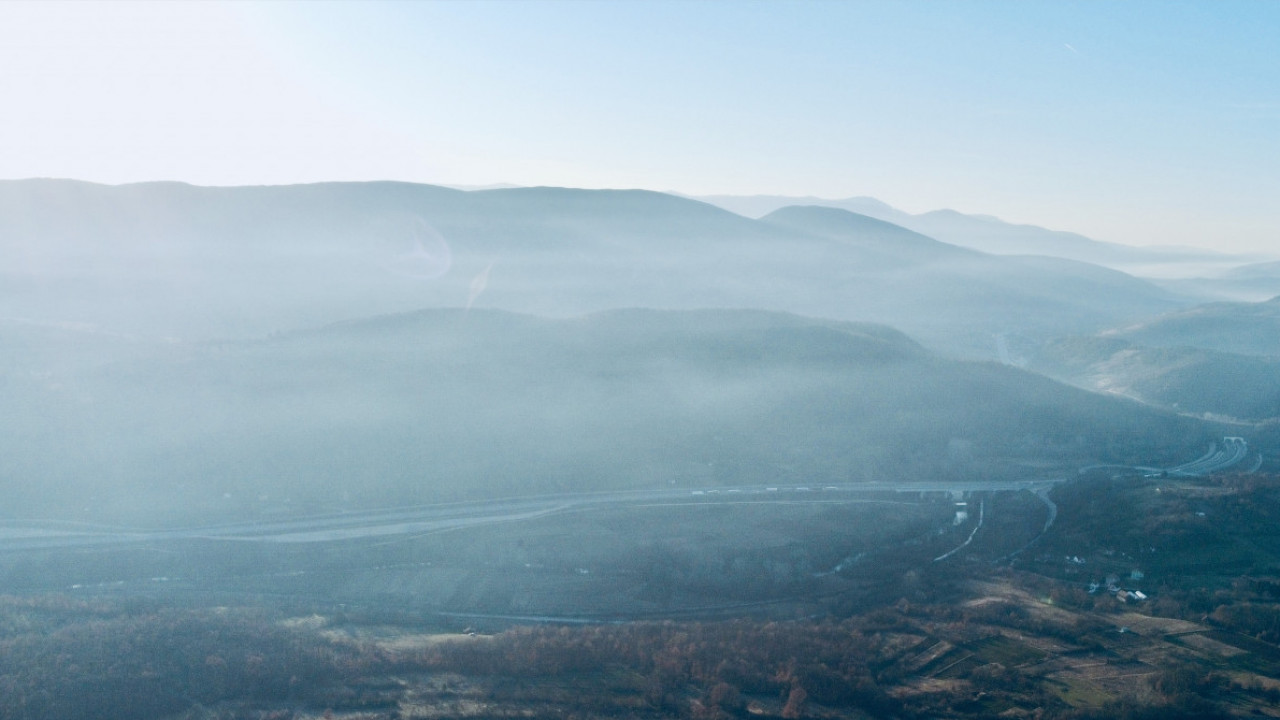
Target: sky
pixel 1146 123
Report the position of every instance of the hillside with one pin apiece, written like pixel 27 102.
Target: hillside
pixel 452 404
pixel 1242 328
pixel 1254 282
pixel 1255 271
pixel 893 245
pixel 1218 359
pixel 167 260
pixel 1185 379
pixel 933 289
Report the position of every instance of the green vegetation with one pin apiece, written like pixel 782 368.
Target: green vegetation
pixel 1188 537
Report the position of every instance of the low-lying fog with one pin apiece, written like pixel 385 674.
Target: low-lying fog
pixel 183 355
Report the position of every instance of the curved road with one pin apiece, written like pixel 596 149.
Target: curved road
pixel 25 535
pixel 390 522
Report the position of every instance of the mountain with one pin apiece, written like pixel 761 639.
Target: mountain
pixel 757 206
pixel 933 289
pixel 1218 359
pixel 443 405
pixel 891 245
pixel 992 235
pixel 1230 327
pixel 1255 271
pixel 167 260
pixel 1246 283
pixel 1183 379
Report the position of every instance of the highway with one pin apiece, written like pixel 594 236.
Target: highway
pixel 421 520
pixel 1233 452
pixel 426 519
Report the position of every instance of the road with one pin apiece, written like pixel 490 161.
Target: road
pixel 32 535
pixel 982 516
pixel 1234 450
pixel 425 519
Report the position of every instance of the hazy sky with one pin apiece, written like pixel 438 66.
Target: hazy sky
pixel 1134 122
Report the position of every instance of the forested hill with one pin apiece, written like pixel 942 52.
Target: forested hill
pixel 1235 327
pixel 1219 359
pixel 454 404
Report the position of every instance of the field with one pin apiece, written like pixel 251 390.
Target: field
pixel 695 557
pixel 804 605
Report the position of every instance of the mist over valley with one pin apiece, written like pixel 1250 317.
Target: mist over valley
pixel 167 260
pixel 405 361
pixel 407 404
pixel 453 404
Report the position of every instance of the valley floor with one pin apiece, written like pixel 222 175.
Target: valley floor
pixel 1148 597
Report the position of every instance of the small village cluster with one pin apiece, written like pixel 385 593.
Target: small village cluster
pixel 1112 584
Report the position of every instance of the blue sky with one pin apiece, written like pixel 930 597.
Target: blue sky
pixel 1144 123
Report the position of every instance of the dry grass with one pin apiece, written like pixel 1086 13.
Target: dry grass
pixel 1150 626
pixel 1208 645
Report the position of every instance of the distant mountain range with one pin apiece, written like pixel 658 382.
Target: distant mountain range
pixel 992 235
pixel 174 260
pixel 1244 283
